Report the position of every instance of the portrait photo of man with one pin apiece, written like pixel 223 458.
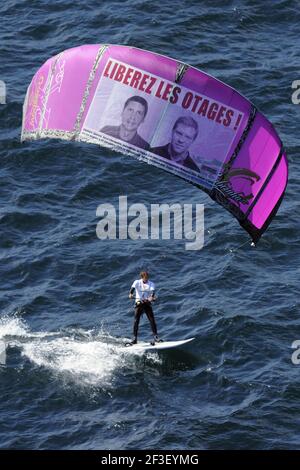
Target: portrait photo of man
pixel 134 112
pixel 184 133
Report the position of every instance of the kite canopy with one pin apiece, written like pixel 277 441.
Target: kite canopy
pixel 167 114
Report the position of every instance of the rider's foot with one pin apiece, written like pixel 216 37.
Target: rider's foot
pixel 157 339
pixel 134 341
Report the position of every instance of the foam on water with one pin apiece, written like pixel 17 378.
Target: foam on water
pixel 12 326
pixel 94 362
pixel 94 358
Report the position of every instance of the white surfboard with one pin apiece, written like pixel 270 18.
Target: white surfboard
pixel 143 346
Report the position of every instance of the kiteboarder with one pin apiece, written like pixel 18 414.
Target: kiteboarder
pixel 184 133
pixel 144 291
pixel 133 115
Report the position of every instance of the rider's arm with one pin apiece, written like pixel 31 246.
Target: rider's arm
pixel 131 292
pixel 153 296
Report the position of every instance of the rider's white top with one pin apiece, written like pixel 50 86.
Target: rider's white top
pixel 143 290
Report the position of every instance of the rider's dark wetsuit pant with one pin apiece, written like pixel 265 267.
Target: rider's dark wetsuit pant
pixel 140 308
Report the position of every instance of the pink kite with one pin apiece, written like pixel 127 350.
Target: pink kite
pixel 165 113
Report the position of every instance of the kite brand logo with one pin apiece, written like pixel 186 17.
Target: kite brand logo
pixel 296 94
pixel 137 222
pixel 2 92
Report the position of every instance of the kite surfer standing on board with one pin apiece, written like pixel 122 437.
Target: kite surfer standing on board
pixel 144 291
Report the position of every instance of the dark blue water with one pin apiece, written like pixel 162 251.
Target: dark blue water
pixel 63 302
